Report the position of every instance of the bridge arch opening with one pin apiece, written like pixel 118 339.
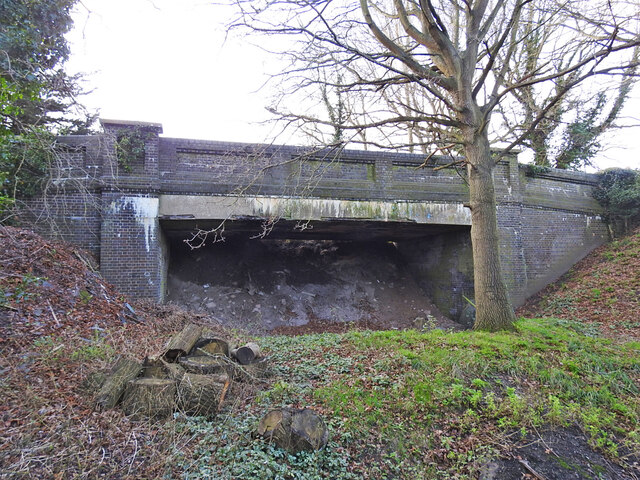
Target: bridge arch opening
pixel 380 274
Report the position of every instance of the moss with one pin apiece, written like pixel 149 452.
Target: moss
pixel 371 172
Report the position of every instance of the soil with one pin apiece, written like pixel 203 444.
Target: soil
pixel 292 287
pixel 559 454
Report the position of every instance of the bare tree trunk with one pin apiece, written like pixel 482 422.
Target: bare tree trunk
pixel 493 308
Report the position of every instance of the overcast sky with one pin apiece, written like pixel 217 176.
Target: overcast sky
pixel 167 61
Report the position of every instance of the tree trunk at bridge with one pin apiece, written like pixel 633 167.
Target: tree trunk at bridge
pixel 493 308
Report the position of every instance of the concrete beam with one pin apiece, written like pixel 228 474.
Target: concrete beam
pixel 230 207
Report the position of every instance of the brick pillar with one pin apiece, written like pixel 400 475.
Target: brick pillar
pixel 133 254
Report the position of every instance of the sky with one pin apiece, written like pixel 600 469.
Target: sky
pixel 171 62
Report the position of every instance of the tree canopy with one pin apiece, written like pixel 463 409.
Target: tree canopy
pixel 37 97
pixel 465 60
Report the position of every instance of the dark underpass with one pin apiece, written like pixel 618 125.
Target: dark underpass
pixel 269 283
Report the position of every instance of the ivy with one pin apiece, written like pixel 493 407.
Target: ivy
pixel 130 148
pixel 533 170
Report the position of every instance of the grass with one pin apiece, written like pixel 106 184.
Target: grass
pixel 403 404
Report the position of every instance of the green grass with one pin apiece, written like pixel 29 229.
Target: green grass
pixel 403 404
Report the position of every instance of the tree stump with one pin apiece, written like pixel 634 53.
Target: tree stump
pixel 200 394
pixel 175 372
pixel 114 386
pixel 152 398
pixel 182 343
pixel 247 353
pixel 294 430
pixel 204 364
pixel 211 346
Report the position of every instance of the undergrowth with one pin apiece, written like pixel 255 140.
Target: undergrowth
pixel 405 404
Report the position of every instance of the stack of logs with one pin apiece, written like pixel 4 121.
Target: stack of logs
pixel 192 375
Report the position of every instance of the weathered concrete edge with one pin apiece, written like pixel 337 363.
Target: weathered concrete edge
pixel 293 208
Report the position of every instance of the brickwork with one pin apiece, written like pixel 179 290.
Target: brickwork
pixel 444 266
pixel 69 216
pixel 546 222
pixel 553 240
pixel 133 254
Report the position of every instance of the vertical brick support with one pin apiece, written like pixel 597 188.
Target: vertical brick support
pixel 134 254
pixel 509 209
pixel 383 176
pixel 512 259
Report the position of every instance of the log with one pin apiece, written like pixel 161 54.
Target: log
pixel 114 386
pixel 182 343
pixel 204 364
pixel 152 398
pixel 94 381
pixel 211 346
pixel 201 394
pixel 174 371
pixel 252 372
pixel 247 353
pixel 294 430
pixel 153 367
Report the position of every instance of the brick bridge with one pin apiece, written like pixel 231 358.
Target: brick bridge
pixel 129 214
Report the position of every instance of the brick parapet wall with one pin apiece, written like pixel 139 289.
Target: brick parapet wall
pixel 546 221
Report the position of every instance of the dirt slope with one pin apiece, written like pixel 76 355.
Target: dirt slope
pixel 59 322
pixel 602 290
pixel 281 286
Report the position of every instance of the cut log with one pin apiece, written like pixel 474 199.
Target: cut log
pixel 204 364
pixel 294 430
pixel 94 381
pixel 182 343
pixel 201 394
pixel 174 371
pixel 211 346
pixel 253 372
pixel 152 398
pixel 153 367
pixel 123 371
pixel 247 353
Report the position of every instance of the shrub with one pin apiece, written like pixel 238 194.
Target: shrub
pixel 618 191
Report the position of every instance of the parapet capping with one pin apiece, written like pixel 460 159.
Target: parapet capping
pixel 346 155
pixel 566 176
pixel 111 124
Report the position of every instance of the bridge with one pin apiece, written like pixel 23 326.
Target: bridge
pixel 131 206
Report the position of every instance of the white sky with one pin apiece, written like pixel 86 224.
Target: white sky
pixel 167 61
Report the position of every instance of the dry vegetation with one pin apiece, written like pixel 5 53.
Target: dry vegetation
pixel 602 290
pixel 59 323
pixel 551 398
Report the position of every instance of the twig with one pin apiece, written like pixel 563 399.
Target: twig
pixel 4 305
pixel 545 443
pixel 438 149
pixel 84 260
pixel 53 313
pixel 528 467
pixel 452 164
